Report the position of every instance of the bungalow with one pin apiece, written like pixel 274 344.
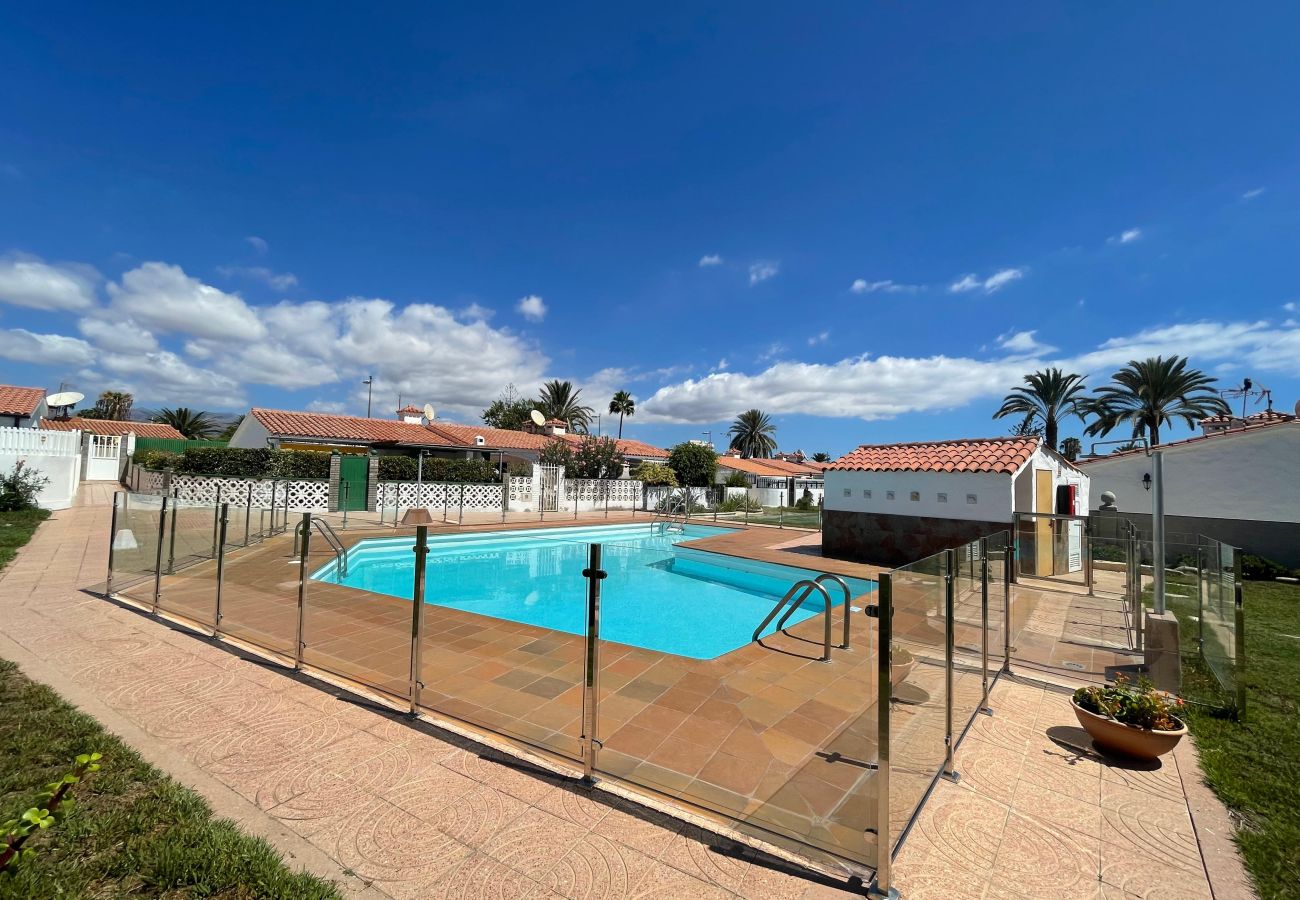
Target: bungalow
pixel 107 444
pixel 1237 483
pixel 893 504
pixel 772 482
pixel 21 407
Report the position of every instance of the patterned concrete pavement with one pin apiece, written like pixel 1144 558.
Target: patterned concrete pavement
pixel 415 811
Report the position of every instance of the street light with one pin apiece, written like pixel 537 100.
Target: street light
pixel 370 390
pixel 1153 481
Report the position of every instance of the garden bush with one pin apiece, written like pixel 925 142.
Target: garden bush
pixel 1257 568
pixel 737 479
pixel 252 462
pixel 468 471
pixel 695 464
pixel 739 503
pixel 155 459
pixel 18 488
pixel 597 457
pixel 805 502
pixel 653 474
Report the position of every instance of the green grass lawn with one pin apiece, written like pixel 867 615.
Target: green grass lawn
pixel 16 529
pixel 774 515
pixel 1254 764
pixel 133 832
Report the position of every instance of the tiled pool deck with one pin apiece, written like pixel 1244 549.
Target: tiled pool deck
pixel 415 811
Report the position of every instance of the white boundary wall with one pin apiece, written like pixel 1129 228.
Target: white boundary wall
pixel 55 454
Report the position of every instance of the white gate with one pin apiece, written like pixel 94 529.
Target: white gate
pixel 549 488
pixel 103 462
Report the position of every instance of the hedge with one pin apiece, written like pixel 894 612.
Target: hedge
pixel 239 462
pixel 406 468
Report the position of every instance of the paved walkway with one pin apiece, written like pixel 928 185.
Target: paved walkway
pixel 392 809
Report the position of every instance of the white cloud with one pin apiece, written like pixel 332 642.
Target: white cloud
pixel 1023 343
pixel 722 365
pixel 120 336
pixel 259 245
pixel 819 338
pixel 710 259
pixel 1252 194
pixel 532 308
pixel 888 286
pixel 475 312
pixel 1291 306
pixel 763 270
pixel 44 349
pixel 164 378
pixel 887 386
pixel 327 406
pixel 772 351
pixel 27 281
pixel 164 298
pixel 281 281
pixel 1125 237
pixel 996 281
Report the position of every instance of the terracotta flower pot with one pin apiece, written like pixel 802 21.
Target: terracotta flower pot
pixel 1128 740
pixel 901 664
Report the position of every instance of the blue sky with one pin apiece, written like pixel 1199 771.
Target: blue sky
pixel 869 221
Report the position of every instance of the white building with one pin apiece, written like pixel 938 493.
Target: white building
pixel 21 407
pixel 1240 485
pixel 892 504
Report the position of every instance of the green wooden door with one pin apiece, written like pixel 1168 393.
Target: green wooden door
pixel 353 473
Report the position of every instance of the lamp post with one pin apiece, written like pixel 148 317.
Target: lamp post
pixel 370 390
pixel 1153 481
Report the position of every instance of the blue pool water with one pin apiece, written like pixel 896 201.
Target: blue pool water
pixel 658 594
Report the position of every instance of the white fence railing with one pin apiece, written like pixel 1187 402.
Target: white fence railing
pixel 300 493
pixel 37 440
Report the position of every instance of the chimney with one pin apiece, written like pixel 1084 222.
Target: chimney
pixel 410 415
pixel 556 427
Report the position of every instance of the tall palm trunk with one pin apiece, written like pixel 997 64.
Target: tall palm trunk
pixel 620 426
pixel 1050 432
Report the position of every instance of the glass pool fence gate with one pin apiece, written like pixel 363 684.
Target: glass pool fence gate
pixel 829 759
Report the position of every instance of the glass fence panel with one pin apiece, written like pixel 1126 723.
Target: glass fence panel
pixel 1218 620
pixel 190 586
pixel 505 633
pixel 917 717
pixel 237 524
pixel 996 546
pixel 353 628
pixel 259 591
pixel 135 545
pixel 761 731
pixel 968 638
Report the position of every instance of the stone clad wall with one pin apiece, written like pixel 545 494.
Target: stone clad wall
pixel 893 540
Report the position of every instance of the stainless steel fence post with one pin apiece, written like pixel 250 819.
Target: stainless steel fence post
pixel 881 888
pixel 158 566
pixel 949 652
pixel 248 514
pixel 1087 557
pixel 1200 602
pixel 216 524
pixel 222 513
pixel 984 622
pixel 591 682
pixel 606 484
pixel 421 549
pixel 1239 629
pixel 505 496
pixel 112 539
pixel 304 530
pixel 1008 563
pixel 171 540
pixel 576 495
pixel 347 498
pixel 460 513
pixel 780 516
pixel 446 500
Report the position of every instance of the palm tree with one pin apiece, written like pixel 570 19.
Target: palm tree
pixel 1050 395
pixel 821 457
pixel 192 423
pixel 115 405
pixel 229 431
pixel 1071 447
pixel 1153 392
pixel 751 434
pixel 559 400
pixel 623 404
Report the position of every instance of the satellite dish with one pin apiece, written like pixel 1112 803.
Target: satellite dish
pixel 1297 407
pixel 428 411
pixel 64 398
pixel 538 419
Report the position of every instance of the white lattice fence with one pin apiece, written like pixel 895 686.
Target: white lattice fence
pixel 521 489
pixel 621 492
pixel 301 494
pixel 408 494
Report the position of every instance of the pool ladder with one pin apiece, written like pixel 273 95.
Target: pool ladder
pixel 331 538
pixel 795 597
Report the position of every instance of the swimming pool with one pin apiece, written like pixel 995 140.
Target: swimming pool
pixel 658 594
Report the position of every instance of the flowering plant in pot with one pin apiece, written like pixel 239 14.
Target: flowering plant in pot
pixel 1134 720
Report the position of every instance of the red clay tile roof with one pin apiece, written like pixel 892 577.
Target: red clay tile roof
pixel 493 438
pixel 19 401
pixel 1267 415
pixel 112 426
pixel 790 467
pixel 354 429
pixel 1001 455
pixel 626 446
pixel 767 468
pixel 409 410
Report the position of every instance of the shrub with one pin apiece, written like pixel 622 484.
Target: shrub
pixel 253 462
pixel 696 465
pixel 806 501
pixel 597 457
pixel 737 479
pixel 558 453
pixel 1141 706
pixel 407 468
pixel 1107 552
pixel 155 459
pixel 739 503
pixel 18 489
pixel 653 474
pixel 1257 568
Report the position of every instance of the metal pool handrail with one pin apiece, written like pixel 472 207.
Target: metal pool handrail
pixel 807 586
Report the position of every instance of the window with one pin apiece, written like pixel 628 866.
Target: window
pixel 848 492
pixel 972 499
pixel 943 498
pixel 866 494
pixel 889 495
pixel 916 496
